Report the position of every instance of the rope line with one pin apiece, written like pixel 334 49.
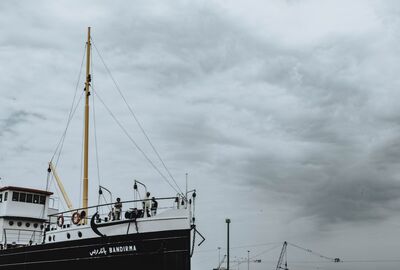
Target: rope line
pixel 136 119
pixel 95 129
pixel 312 252
pixel 72 111
pixel 252 258
pixel 133 141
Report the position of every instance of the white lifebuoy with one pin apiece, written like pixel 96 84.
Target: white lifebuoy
pixel 76 218
pixel 60 221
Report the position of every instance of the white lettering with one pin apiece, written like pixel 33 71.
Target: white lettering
pixel 112 250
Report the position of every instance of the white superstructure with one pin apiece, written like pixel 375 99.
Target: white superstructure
pixel 23 213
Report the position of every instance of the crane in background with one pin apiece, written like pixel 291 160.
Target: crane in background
pixel 220 264
pixel 283 256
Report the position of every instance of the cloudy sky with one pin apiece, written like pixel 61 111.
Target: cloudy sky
pixel 284 113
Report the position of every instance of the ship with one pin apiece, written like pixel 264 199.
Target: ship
pixel 36 235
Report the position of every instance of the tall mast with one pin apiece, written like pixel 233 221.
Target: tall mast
pixel 86 143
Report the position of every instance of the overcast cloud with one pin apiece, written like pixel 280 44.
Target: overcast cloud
pixel 284 113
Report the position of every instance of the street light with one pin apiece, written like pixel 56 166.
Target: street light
pixel 228 221
pixel 248 260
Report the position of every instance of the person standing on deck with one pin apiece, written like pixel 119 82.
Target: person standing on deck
pixel 154 205
pixel 147 204
pixel 117 209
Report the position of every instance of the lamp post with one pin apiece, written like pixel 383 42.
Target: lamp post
pixel 228 221
pixel 248 260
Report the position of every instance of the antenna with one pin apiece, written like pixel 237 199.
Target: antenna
pixel 186 185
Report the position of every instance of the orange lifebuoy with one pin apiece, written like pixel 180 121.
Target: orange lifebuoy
pixel 76 218
pixel 60 221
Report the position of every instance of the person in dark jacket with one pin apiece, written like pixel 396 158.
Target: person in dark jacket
pixel 117 209
pixel 154 205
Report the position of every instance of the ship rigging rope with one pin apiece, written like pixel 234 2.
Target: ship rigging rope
pixel 136 119
pixel 71 113
pixel 133 141
pixel 95 127
pixel 81 172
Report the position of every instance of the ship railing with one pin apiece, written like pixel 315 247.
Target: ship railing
pixel 21 237
pixel 106 212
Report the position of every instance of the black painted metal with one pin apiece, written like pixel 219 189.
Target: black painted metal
pixel 164 250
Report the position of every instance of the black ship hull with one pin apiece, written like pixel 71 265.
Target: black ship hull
pixel 163 250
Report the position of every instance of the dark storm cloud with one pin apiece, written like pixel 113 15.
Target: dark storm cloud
pixel 8 124
pixel 356 194
pixel 333 166
pixel 308 128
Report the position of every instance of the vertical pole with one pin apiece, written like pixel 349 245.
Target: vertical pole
pixel 86 144
pixel 248 260
pixel 228 221
pixel 219 257
pixel 186 194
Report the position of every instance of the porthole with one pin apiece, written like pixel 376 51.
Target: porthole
pixel 35 225
pixel 27 224
pixel 41 227
pixel 79 234
pixel 54 238
pixel 11 223
pixel 68 236
pixel 19 223
pixel 49 238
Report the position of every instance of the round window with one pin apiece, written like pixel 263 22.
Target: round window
pixel 19 223
pixel 27 224
pixel 68 236
pixel 54 238
pixel 79 234
pixel 41 227
pixel 49 238
pixel 11 223
pixel 35 225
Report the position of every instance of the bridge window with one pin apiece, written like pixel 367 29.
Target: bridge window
pixel 25 197
pixel 1 197
pixel 42 199
pixel 35 198
pixel 22 197
pixel 15 196
pixel 5 196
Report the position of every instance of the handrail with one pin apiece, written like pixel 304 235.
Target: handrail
pixel 106 204
pixel 16 232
